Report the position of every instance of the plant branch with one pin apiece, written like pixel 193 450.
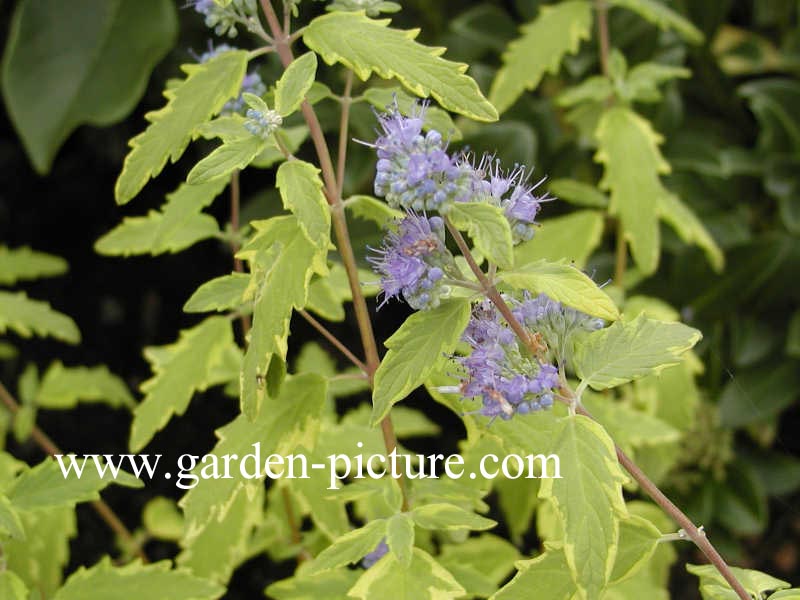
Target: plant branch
pixel 344 124
pixel 237 263
pixel 104 511
pixel 652 490
pixel 282 46
pixel 333 340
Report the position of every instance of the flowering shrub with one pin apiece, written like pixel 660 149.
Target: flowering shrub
pixel 530 334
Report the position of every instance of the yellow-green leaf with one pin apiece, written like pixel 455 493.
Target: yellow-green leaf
pixel 28 317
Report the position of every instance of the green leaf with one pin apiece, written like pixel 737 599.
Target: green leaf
pixel 489 555
pixel 292 87
pixel 663 16
pixel 488 227
pixel 774 102
pixel 10 522
pixel 349 548
pixel 638 539
pixel 178 225
pixel 155 581
pixel 449 517
pixel 592 89
pixel 45 486
pixel 289 420
pixel 572 237
pixel 162 519
pixel 63 387
pixel 194 100
pixel 423 579
pixel 40 558
pixel 27 317
pixel 641 83
pixel 540 577
pixel 219 294
pixel 366 46
pixel 400 537
pixel 628 148
pixel 179 370
pixel 758 394
pixel 12 587
pixel 563 283
pixel 690 229
pixel 577 192
pixel 22 263
pixel 301 193
pixel 415 350
pixel 754 582
pixel 113 47
pixel 372 209
pixel 629 350
pixel 593 479
pixel 292 138
pixel 225 159
pixel 283 259
pixel 556 31
pixel 329 585
pixel 383 98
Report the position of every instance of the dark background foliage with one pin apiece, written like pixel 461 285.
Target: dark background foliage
pixel 124 305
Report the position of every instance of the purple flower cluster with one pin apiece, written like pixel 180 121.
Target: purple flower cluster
pixel 378 553
pixel 414 171
pixel 500 371
pixel 413 260
pixel 252 82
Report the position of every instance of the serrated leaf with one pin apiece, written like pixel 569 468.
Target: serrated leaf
pixel 29 317
pixel 487 555
pixel 178 225
pixel 400 537
pixel 206 89
pixel 10 522
pixel 113 47
pixel 415 350
pixel 754 582
pixel 563 283
pixel 329 585
pixel 63 387
pixel 663 16
pixel 449 517
pixel 372 209
pixel 488 227
pixel 232 155
pixel 292 87
pixel 40 558
pixel 544 576
pixel 301 193
pixel 594 479
pixel 219 294
pixel 349 548
pixel 45 486
pixel 628 148
pixel 577 192
pixel 423 579
pixel 155 581
pixel 384 98
pixel 592 89
pixel 179 370
pixel 572 237
pixel 629 350
pixel 289 420
pixel 556 31
pixel 642 82
pixel 366 46
pixel 690 229
pixel 638 539
pixel 17 264
pixel 284 259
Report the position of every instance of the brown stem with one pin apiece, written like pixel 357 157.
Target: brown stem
pixel 621 256
pixel 333 340
pixel 294 527
pixel 344 125
pixel 602 35
pixel 282 41
pixel 104 511
pixel 646 484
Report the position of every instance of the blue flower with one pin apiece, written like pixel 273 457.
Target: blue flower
pixel 500 371
pixel 380 550
pixel 413 260
pixel 223 20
